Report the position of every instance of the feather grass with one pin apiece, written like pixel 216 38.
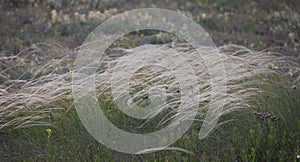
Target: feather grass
pixel 37 81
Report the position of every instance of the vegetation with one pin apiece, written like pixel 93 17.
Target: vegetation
pixel 260 122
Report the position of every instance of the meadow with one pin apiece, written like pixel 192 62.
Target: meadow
pixel 259 43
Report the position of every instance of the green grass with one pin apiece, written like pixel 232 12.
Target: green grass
pixel 265 141
pixel 240 134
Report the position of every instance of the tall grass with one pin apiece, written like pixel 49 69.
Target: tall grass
pixel 36 88
pixel 33 85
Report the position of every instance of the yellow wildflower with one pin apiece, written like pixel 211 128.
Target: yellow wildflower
pixel 48 130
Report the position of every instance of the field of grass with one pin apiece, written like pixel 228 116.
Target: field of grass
pixel 260 121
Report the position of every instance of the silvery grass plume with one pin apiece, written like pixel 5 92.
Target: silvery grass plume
pixel 34 84
pixel 37 82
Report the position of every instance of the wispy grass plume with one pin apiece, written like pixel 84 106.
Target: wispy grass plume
pixel 37 82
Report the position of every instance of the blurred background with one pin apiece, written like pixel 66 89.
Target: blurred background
pixel 256 24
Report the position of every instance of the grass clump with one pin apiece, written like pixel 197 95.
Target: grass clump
pixel 38 120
